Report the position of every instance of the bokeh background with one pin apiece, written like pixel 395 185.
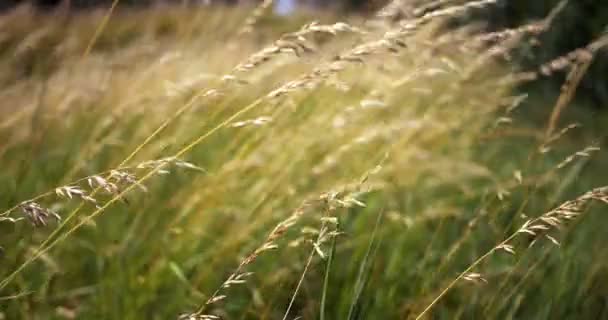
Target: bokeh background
pixel 583 20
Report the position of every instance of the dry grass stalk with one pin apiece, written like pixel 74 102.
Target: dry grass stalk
pixel 100 28
pixel 113 182
pixel 50 241
pixel 328 203
pixel 546 145
pixel 38 215
pixel 534 28
pixel 294 42
pixel 331 201
pixel 239 276
pixel 391 41
pixel 569 89
pixel 506 40
pixel 328 231
pixel 251 62
pixel 585 153
pixel 578 56
pixel 537 228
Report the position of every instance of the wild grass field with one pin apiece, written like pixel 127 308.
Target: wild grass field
pixel 222 163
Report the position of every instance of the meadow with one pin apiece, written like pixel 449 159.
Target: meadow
pixel 213 162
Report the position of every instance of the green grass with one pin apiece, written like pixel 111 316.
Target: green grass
pixel 396 172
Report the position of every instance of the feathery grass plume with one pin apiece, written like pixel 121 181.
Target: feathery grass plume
pixel 327 203
pixel 291 42
pixel 503 42
pixel 116 183
pixel 473 41
pixel 294 42
pixel 239 275
pixel 391 41
pixel 534 28
pixel 112 182
pixel 538 228
pixel 38 215
pixel 156 170
pixel 579 56
pixel 327 232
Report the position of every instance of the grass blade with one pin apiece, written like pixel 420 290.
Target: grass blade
pixel 364 269
pixel 330 259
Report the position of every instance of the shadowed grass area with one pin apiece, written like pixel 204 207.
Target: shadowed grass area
pixel 318 170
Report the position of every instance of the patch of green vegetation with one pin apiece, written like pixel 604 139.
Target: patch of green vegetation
pixel 355 179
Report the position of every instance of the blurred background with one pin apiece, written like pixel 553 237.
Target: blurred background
pixel 582 21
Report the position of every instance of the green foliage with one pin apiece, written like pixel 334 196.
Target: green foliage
pixel 395 170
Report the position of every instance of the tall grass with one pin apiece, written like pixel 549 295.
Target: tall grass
pixel 217 163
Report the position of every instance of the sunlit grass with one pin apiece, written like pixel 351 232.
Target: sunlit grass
pixel 412 151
